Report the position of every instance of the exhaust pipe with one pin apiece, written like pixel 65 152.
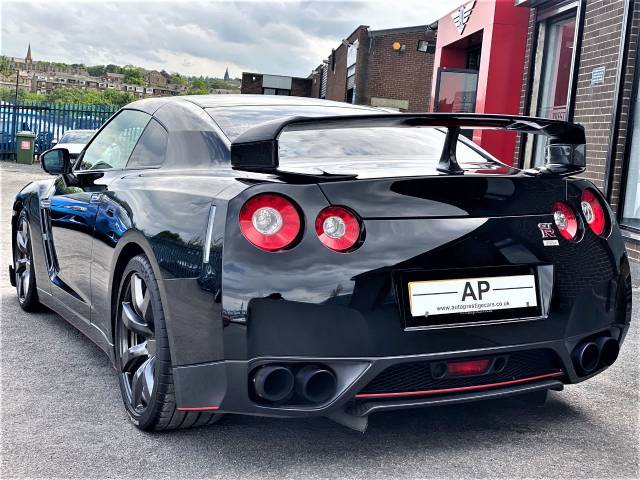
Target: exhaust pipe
pixel 609 349
pixel 586 357
pixel 315 384
pixel 273 383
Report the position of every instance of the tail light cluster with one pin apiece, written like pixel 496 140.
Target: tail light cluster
pixel 338 229
pixel 273 223
pixel 593 211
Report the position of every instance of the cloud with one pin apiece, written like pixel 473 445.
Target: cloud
pixel 289 38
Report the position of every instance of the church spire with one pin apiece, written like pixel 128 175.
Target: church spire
pixel 226 75
pixel 28 57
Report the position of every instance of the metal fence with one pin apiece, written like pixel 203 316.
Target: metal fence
pixel 48 121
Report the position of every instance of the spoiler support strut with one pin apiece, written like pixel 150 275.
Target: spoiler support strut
pixel 448 162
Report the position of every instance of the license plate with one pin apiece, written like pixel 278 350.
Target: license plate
pixel 469 295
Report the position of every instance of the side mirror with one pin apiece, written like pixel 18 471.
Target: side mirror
pixel 56 161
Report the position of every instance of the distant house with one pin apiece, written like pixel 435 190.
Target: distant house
pixel 115 77
pixel 155 78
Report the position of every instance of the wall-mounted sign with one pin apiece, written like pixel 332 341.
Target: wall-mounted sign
pixel 276 81
pixel 352 53
pixel 461 15
pixel 391 103
pixel 426 47
pixel 597 75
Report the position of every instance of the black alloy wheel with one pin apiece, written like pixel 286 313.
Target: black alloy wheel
pixel 137 344
pixel 25 277
pixel 142 353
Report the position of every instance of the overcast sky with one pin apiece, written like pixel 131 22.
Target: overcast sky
pixel 287 38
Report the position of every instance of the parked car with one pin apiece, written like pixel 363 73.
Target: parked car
pixel 74 141
pixel 295 257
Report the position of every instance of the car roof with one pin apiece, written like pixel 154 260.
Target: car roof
pixel 212 101
pixel 81 130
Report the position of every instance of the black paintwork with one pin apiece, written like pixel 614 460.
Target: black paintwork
pixel 230 307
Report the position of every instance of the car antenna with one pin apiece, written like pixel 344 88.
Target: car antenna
pixel 448 162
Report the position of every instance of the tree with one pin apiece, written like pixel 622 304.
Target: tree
pixel 133 74
pixel 97 71
pixel 9 95
pixel 111 68
pixel 219 83
pixel 114 97
pixel 6 66
pixel 89 96
pixel 198 87
pixel 73 95
pixel 178 79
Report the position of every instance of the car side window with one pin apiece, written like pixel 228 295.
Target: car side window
pixel 111 148
pixel 151 149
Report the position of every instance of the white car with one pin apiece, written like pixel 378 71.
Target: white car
pixel 74 141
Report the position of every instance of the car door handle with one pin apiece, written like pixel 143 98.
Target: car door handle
pixel 110 212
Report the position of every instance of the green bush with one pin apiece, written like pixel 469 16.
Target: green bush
pixel 71 95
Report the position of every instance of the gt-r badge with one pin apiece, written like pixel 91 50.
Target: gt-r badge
pixel 548 235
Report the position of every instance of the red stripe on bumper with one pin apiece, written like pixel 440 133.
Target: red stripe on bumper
pixel 458 389
pixel 196 409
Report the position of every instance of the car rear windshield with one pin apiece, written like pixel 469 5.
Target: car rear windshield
pixel 324 147
pixel 77 137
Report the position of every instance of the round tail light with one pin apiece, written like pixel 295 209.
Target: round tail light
pixel 269 221
pixel 594 212
pixel 338 229
pixel 566 220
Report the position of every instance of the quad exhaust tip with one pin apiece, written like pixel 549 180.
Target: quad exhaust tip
pixel 273 383
pixel 588 356
pixel 609 349
pixel 315 384
pixel 311 383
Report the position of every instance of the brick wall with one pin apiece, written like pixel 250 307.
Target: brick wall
pixel 337 74
pixel 301 87
pixel 633 244
pixel 525 78
pixel 362 61
pixel 251 83
pixel 594 106
pixel 315 84
pixel 382 72
pixel 629 73
pixel 404 75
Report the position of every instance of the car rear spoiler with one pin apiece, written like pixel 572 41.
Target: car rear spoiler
pixel 256 150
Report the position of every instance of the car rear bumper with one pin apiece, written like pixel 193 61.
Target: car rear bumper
pixel 227 386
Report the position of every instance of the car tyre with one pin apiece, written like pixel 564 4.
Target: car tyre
pixel 143 358
pixel 24 268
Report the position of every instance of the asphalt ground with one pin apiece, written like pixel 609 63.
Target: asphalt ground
pixel 61 416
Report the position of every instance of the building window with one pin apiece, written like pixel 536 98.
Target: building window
pixel 557 69
pixel 551 93
pixel 456 90
pixel 631 204
pixel 275 91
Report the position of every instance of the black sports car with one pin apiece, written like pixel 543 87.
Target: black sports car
pixel 292 257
